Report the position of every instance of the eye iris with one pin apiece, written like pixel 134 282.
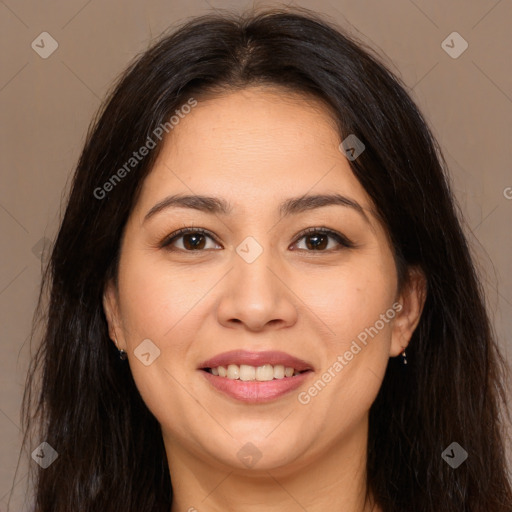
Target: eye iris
pixel 195 244
pixel 317 244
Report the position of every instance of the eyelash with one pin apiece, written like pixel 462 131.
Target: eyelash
pixel 341 239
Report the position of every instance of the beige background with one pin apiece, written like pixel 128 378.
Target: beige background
pixel 46 106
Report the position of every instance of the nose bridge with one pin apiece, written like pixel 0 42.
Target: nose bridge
pixel 255 295
pixel 253 279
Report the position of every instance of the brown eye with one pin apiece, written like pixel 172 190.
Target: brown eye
pixel 317 239
pixel 194 241
pixel 191 240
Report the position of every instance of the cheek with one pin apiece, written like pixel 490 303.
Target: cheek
pixel 358 316
pixel 157 307
pixel 348 301
pixel 155 297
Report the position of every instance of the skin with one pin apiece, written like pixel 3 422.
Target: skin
pixel 256 148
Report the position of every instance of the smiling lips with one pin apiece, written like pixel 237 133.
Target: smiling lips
pixel 255 377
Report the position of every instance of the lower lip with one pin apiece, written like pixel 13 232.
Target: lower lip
pixel 256 392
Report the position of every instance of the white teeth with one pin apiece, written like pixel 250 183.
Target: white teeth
pixel 265 372
pixel 278 371
pixel 246 372
pixel 233 371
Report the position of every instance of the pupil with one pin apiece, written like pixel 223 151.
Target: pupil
pixel 317 244
pixel 195 245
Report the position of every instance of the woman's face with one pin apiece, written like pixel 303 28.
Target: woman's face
pixel 256 282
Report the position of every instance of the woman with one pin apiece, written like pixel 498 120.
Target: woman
pixel 260 296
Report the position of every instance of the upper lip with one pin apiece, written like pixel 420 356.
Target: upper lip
pixel 256 359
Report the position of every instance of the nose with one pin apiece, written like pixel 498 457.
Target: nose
pixel 256 296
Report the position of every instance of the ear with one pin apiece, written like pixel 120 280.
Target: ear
pixel 411 299
pixel 111 309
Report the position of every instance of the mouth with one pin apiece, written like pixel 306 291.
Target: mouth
pixel 255 377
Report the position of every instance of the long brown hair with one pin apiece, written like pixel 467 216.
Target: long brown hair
pixel 85 403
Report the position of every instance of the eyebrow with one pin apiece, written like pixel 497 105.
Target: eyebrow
pixel 219 206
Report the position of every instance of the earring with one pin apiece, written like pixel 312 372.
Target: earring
pixel 122 353
pixel 404 360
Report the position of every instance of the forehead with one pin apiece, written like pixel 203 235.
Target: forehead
pixel 256 121
pixel 250 146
